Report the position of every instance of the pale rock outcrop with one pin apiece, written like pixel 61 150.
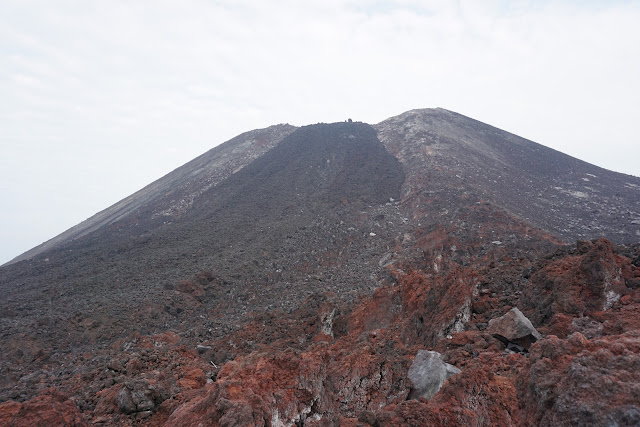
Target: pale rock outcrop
pixel 428 372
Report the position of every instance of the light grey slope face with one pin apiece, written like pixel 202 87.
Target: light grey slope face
pixel 174 194
pixel 445 151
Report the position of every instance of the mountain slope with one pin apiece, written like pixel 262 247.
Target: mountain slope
pixel 174 193
pixel 286 211
pixel 565 196
pixel 271 245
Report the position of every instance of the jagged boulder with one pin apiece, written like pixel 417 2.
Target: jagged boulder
pixel 428 372
pixel 139 396
pixel 514 330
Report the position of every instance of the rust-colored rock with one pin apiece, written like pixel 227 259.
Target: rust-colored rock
pixel 327 363
pixel 578 381
pixel 49 409
pixel 581 284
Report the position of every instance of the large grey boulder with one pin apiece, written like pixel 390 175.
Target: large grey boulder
pixel 428 372
pixel 514 328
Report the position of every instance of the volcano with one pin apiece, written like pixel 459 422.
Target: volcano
pixel 296 276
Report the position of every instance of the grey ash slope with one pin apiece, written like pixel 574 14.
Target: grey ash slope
pixel 294 220
pixel 173 194
pixel 571 199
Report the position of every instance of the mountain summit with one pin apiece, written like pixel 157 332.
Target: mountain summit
pixel 555 192
pixel 265 251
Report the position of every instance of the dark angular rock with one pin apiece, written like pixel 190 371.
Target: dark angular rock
pixel 514 328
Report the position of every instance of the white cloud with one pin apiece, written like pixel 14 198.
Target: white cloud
pixel 123 92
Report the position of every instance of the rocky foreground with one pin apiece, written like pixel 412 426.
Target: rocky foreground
pixel 548 340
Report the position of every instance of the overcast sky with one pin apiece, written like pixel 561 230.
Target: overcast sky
pixel 99 98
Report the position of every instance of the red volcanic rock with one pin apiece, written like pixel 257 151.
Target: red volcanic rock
pixel 577 381
pixel 422 307
pixel 289 386
pixel 361 376
pixel 106 400
pixel 193 289
pixel 9 411
pixel 48 409
pixel 329 379
pixel 193 378
pixel 484 393
pixel 260 389
pixel 577 285
pixel 330 364
pixel 166 338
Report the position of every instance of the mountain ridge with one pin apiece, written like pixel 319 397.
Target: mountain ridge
pixel 578 176
pixel 255 143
